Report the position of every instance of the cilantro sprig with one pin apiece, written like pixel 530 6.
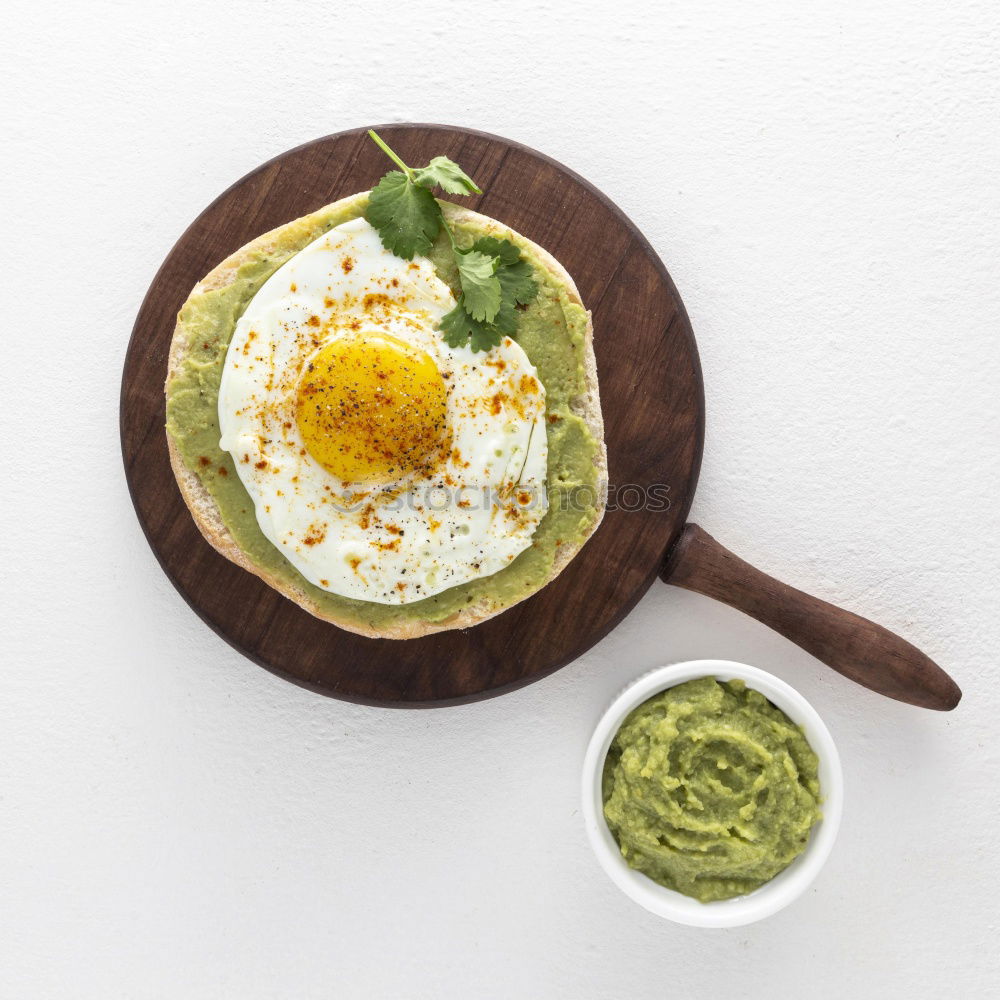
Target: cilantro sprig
pixel 493 277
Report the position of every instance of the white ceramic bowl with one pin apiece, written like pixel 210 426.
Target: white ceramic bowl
pixel 786 885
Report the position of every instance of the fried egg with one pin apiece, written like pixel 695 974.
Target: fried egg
pixel 384 464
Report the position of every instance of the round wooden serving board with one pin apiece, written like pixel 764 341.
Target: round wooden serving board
pixel 651 395
pixel 654 418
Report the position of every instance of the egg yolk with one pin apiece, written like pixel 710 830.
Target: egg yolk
pixel 372 409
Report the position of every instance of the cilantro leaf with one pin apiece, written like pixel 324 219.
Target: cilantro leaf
pixel 495 280
pixel 480 284
pixel 517 284
pixel 506 319
pixel 406 215
pixel 459 327
pixel 447 175
pixel 490 271
pixel 514 272
pixel 492 247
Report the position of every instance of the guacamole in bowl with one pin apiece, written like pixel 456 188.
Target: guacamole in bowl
pixel 712 793
pixel 710 790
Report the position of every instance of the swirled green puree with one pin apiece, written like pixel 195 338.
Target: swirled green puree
pixel 710 790
pixel 551 330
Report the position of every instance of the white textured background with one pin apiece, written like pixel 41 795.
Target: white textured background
pixel 822 182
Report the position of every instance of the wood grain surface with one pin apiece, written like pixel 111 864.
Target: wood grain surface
pixel 651 393
pixel 853 646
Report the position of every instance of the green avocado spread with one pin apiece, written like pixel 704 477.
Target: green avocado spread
pixel 551 331
pixel 710 790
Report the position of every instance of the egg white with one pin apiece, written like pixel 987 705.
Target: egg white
pixel 390 545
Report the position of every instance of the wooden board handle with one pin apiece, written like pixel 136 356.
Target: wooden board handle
pixel 854 646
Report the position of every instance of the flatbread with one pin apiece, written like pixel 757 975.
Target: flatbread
pixel 209 519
